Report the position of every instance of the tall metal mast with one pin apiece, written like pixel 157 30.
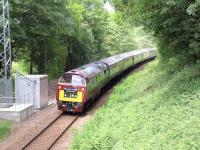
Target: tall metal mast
pixel 5 51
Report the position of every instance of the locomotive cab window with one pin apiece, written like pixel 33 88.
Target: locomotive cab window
pixel 72 79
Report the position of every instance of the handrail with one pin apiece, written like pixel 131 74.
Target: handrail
pixel 7 97
pixel 25 77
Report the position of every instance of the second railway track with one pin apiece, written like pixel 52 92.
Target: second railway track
pixel 51 134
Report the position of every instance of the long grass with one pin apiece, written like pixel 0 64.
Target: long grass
pixel 152 109
pixel 5 127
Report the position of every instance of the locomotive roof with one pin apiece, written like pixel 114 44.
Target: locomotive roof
pixel 94 68
pixel 90 70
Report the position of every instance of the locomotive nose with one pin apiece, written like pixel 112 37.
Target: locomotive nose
pixel 71 99
pixel 71 93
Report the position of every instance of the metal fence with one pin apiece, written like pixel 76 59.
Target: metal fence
pixel 6 97
pixel 24 92
pixel 23 95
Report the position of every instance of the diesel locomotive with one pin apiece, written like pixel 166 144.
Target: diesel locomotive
pixel 78 87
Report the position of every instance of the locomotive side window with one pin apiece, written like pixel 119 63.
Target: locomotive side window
pixel 72 79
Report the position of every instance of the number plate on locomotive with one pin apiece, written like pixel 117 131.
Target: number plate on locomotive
pixel 70 95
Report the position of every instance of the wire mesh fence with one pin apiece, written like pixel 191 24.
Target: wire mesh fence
pixel 23 95
pixel 6 97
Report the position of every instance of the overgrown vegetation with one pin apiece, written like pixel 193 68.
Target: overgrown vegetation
pixel 4 129
pixel 174 24
pixel 152 109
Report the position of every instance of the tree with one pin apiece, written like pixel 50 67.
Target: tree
pixel 34 24
pixel 63 34
pixel 174 23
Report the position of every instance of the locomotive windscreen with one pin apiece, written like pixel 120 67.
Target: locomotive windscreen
pixel 72 79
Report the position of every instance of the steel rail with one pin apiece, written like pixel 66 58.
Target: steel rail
pixel 63 132
pixel 47 127
pixel 35 137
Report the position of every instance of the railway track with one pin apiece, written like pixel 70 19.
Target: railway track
pixel 52 133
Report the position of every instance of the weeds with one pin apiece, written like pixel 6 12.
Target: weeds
pixel 4 129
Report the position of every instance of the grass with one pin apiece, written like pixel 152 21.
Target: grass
pixel 4 129
pixel 152 109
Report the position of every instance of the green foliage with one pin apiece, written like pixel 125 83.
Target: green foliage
pixel 19 67
pixel 174 23
pixel 56 36
pixel 35 29
pixel 122 37
pixel 4 129
pixel 152 109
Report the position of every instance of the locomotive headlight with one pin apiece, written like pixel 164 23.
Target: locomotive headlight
pixel 59 87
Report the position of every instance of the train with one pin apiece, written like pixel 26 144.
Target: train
pixel 77 88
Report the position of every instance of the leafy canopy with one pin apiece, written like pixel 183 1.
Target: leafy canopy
pixel 174 23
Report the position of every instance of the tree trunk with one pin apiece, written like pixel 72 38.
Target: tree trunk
pixel 31 67
pixel 70 57
pixel 31 63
